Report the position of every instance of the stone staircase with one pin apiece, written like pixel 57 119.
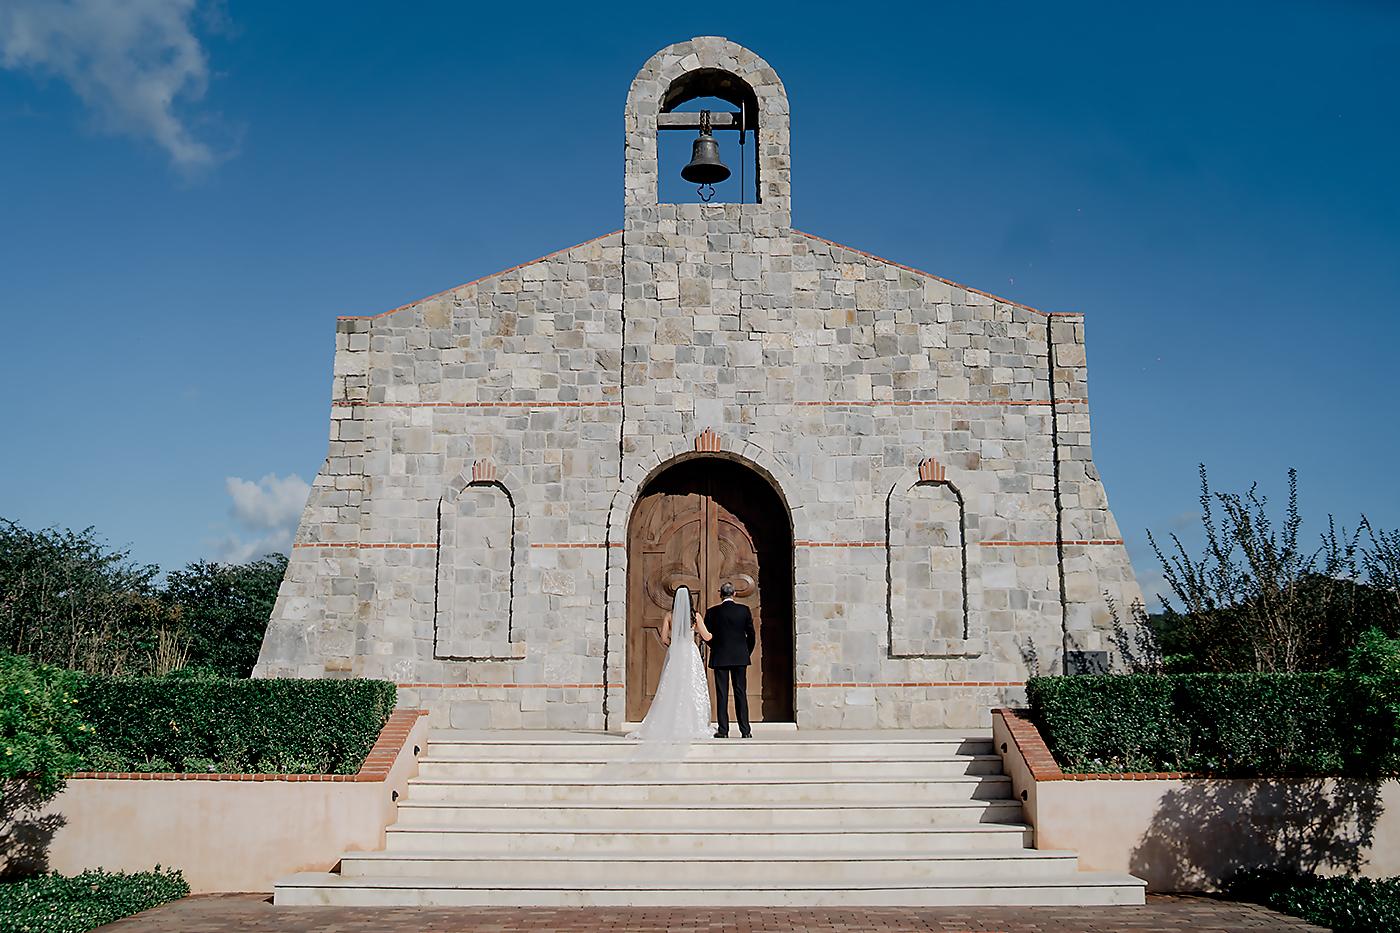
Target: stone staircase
pixel 826 819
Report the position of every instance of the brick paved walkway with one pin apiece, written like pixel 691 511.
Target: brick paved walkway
pixel 242 913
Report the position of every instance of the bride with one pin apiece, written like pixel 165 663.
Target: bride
pixel 680 711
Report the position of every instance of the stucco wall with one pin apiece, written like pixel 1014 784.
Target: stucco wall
pixel 225 835
pixel 1194 834
pixel 573 379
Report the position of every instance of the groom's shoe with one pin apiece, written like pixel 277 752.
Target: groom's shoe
pixel 746 735
pixel 721 735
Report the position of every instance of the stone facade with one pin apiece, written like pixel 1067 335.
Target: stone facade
pixel 467 534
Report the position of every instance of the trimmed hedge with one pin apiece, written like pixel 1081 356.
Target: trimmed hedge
pixel 1227 724
pixel 233 726
pixel 1344 905
pixel 52 903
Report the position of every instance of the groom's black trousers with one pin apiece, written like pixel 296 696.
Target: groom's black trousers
pixel 723 677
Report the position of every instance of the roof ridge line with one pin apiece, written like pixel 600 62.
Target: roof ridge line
pixel 939 278
pixel 489 275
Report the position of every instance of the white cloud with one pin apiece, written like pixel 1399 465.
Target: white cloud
pixel 130 61
pixel 266 511
pixel 236 549
pixel 270 503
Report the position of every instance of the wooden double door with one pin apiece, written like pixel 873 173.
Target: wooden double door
pixel 702 523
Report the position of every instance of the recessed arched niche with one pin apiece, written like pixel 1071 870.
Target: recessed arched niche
pixel 475 588
pixel 927 570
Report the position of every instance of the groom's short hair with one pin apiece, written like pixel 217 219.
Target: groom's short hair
pixel 726 590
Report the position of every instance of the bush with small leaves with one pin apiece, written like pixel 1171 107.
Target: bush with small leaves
pixel 53 903
pixel 1343 904
pixel 261 726
pixel 42 732
pixel 1241 725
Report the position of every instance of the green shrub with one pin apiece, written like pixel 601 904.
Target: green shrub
pixel 42 733
pixel 1098 724
pixel 1227 724
pixel 52 903
pixel 1345 905
pixel 233 726
pixel 1373 667
pixel 223 610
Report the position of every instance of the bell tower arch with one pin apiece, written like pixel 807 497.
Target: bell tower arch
pixel 708 66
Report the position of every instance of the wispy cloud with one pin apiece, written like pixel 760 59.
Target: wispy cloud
pixel 130 61
pixel 266 512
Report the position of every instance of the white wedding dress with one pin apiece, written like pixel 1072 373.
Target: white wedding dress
pixel 680 711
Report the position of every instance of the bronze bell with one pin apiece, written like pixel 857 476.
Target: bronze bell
pixel 705 166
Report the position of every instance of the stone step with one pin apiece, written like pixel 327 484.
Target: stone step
pixel 691 770
pixel 884 813
pixel 566 841
pixel 732 868
pixel 537 790
pixel 1080 889
pixel 714 749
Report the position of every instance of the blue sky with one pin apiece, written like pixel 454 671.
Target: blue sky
pixel 189 195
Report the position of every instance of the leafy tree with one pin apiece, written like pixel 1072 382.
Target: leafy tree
pixel 1261 600
pixel 223 610
pixel 67 598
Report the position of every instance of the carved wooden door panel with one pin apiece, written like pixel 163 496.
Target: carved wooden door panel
pixel 666 549
pixel 694 527
pixel 733 559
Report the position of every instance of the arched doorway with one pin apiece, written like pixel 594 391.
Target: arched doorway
pixel 700 523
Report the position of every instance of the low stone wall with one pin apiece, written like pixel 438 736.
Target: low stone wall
pixel 1181 832
pixel 226 832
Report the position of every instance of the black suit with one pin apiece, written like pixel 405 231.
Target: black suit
pixel 731 643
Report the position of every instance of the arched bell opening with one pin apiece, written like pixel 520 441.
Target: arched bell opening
pixel 701 522
pixel 711 118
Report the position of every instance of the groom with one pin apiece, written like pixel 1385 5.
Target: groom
pixel 731 639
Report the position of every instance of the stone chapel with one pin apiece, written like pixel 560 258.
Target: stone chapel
pixel 894 470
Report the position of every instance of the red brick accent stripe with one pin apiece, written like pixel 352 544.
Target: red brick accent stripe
pixel 945 403
pixel 350 403
pixel 375 767
pixel 560 252
pixel 1044 767
pixel 428 545
pixel 824 403
pixel 417 686
pixel 570 544
pixel 1049 543
pixel 840 543
pixel 938 278
pixel 919 683
pixel 365 545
